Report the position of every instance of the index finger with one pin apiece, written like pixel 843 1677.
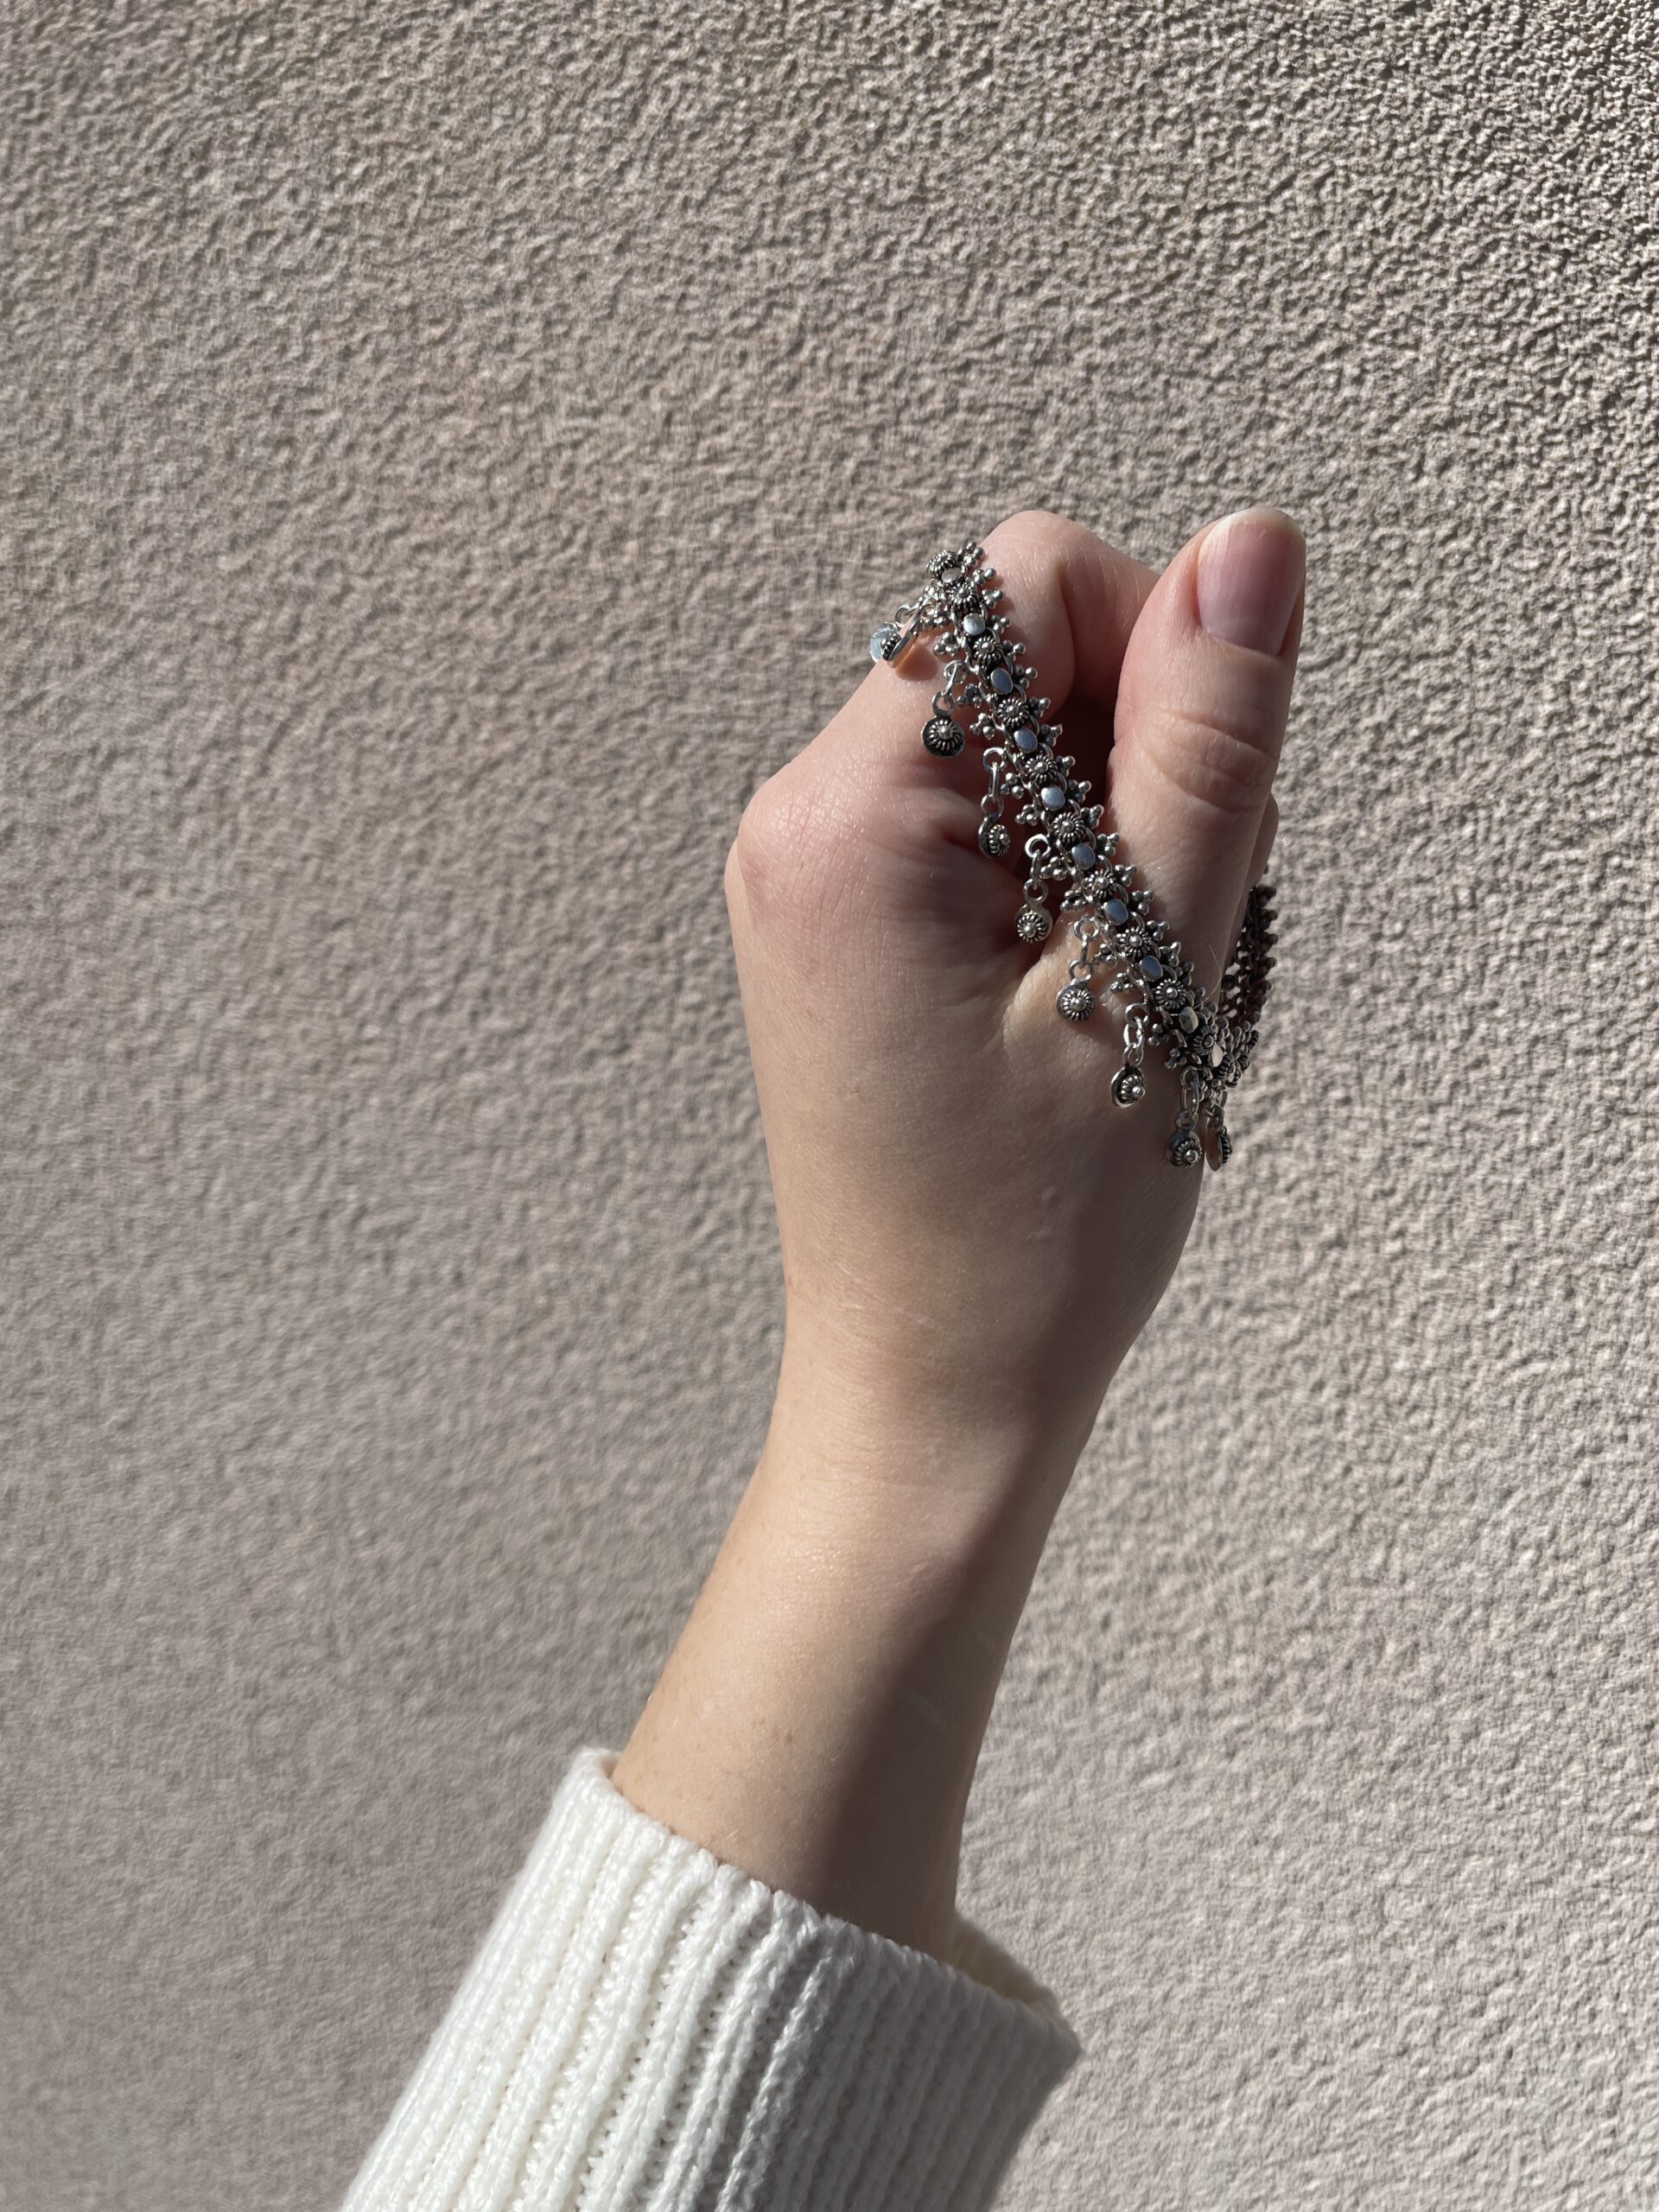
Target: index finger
pixel 1073 601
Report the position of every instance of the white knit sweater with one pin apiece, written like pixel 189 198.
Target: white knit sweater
pixel 649 2029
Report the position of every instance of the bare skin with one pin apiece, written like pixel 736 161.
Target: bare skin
pixel 973 1234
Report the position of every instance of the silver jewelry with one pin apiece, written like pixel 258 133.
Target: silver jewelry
pixel 1123 946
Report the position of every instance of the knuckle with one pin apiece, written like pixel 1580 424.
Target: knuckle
pixel 752 862
pixel 731 876
pixel 1036 522
pixel 1218 762
pixel 752 827
pixel 788 840
pixel 1036 532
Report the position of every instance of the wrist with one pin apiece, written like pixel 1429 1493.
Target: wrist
pixel 949 1451
pixel 820 1720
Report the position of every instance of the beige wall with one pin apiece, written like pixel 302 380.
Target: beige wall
pixel 450 456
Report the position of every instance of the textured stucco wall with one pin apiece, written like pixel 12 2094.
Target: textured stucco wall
pixel 420 422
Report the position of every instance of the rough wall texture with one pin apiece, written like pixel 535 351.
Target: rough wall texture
pixel 418 418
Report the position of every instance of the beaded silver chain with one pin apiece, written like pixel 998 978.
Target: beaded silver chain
pixel 1123 946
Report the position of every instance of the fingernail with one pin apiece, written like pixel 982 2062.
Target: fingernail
pixel 1250 570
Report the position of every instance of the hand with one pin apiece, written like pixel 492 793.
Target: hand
pixel 973 1232
pixel 968 1219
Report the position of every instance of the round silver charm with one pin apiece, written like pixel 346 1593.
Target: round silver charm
pixel 993 839
pixel 1033 923
pixel 1185 1149
pixel 1224 1145
pixel 942 737
pixel 1128 1086
pixel 884 642
pixel 1076 1002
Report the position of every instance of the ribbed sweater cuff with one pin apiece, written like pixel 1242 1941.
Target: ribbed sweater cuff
pixel 648 2028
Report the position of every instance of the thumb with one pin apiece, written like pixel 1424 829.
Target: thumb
pixel 1201 707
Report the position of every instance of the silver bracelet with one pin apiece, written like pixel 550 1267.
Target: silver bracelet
pixel 989 684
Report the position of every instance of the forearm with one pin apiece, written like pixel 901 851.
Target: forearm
pixel 819 1720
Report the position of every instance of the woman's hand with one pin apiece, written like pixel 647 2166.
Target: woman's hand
pixel 973 1232
pixel 968 1220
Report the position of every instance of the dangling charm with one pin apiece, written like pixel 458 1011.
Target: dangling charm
pixel 988 691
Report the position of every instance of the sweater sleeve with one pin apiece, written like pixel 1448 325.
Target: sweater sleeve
pixel 647 2029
